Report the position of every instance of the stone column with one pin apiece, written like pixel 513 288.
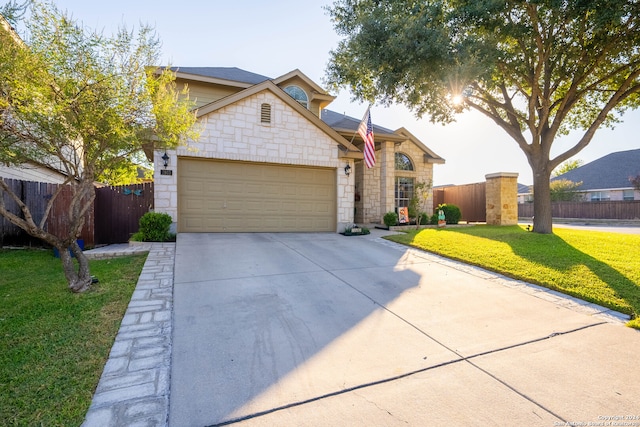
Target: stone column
pixel 165 187
pixel 346 186
pixel 502 198
pixel 387 178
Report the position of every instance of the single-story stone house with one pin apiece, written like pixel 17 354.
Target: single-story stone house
pixel 272 158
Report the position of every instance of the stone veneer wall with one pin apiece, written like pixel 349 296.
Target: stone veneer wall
pixel 369 189
pixel 502 198
pixel 423 172
pixel 377 185
pixel 235 133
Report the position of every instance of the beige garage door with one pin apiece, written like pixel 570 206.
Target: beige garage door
pixel 225 196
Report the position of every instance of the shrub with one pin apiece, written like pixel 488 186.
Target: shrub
pixel 424 219
pixel 452 213
pixel 390 219
pixel 413 207
pixel 434 219
pixel 154 227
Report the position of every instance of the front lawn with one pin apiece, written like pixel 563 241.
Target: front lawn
pixel 55 343
pixel 603 268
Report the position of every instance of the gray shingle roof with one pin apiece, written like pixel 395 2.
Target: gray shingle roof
pixel 227 73
pixel 610 171
pixel 524 189
pixel 342 121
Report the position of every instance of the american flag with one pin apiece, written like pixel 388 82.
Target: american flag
pixel 366 132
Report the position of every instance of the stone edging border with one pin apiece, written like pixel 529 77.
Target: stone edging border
pixel 134 386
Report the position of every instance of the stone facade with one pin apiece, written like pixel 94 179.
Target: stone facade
pixel 502 198
pixel 235 132
pixel 376 186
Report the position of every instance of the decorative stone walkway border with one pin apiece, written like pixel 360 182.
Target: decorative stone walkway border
pixel 134 386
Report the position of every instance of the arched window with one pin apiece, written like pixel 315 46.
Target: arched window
pixel 298 94
pixel 403 162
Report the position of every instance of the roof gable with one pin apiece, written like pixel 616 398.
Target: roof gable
pixel 349 150
pixel 345 124
pixel 610 171
pixel 431 156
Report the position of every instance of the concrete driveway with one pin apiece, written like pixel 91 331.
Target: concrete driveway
pixel 322 329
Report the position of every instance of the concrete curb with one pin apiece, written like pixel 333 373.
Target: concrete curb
pixel 134 386
pixel 558 298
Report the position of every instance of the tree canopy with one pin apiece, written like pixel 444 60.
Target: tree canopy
pixel 567 166
pixel 538 69
pixel 82 103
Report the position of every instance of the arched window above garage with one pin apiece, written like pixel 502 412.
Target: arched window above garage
pixel 298 94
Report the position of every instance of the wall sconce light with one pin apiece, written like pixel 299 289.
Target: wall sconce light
pixel 347 170
pixel 165 159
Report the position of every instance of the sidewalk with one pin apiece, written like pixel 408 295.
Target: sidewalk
pixel 134 386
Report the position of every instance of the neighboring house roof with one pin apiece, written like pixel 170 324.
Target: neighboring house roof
pixel 609 172
pixel 524 189
pixel 224 73
pixel 31 171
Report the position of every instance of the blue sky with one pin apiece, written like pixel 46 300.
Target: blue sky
pixel 273 38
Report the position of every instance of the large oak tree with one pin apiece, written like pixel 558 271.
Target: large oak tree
pixel 538 69
pixel 82 103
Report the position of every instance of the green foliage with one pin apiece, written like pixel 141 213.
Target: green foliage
pixel 125 174
pixel 154 227
pixel 83 103
pixel 421 192
pixel 424 219
pixel 567 166
pixel 564 190
pixel 413 208
pixel 390 219
pixel 55 345
pixel 536 69
pixel 603 268
pixel 349 231
pixel 452 213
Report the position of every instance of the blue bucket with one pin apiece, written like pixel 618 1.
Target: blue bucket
pixel 80 243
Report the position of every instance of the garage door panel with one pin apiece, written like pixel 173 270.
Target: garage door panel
pixel 226 196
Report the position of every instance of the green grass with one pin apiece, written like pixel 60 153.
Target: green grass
pixel 54 344
pixel 599 267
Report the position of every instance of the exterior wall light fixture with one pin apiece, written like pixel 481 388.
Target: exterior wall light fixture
pixel 165 159
pixel 347 170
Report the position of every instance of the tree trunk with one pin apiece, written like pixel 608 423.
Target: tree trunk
pixel 79 280
pixel 78 277
pixel 542 218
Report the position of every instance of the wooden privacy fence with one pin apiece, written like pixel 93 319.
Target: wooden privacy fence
pixel 36 196
pixel 470 198
pixel 113 218
pixel 617 209
pixel 118 211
